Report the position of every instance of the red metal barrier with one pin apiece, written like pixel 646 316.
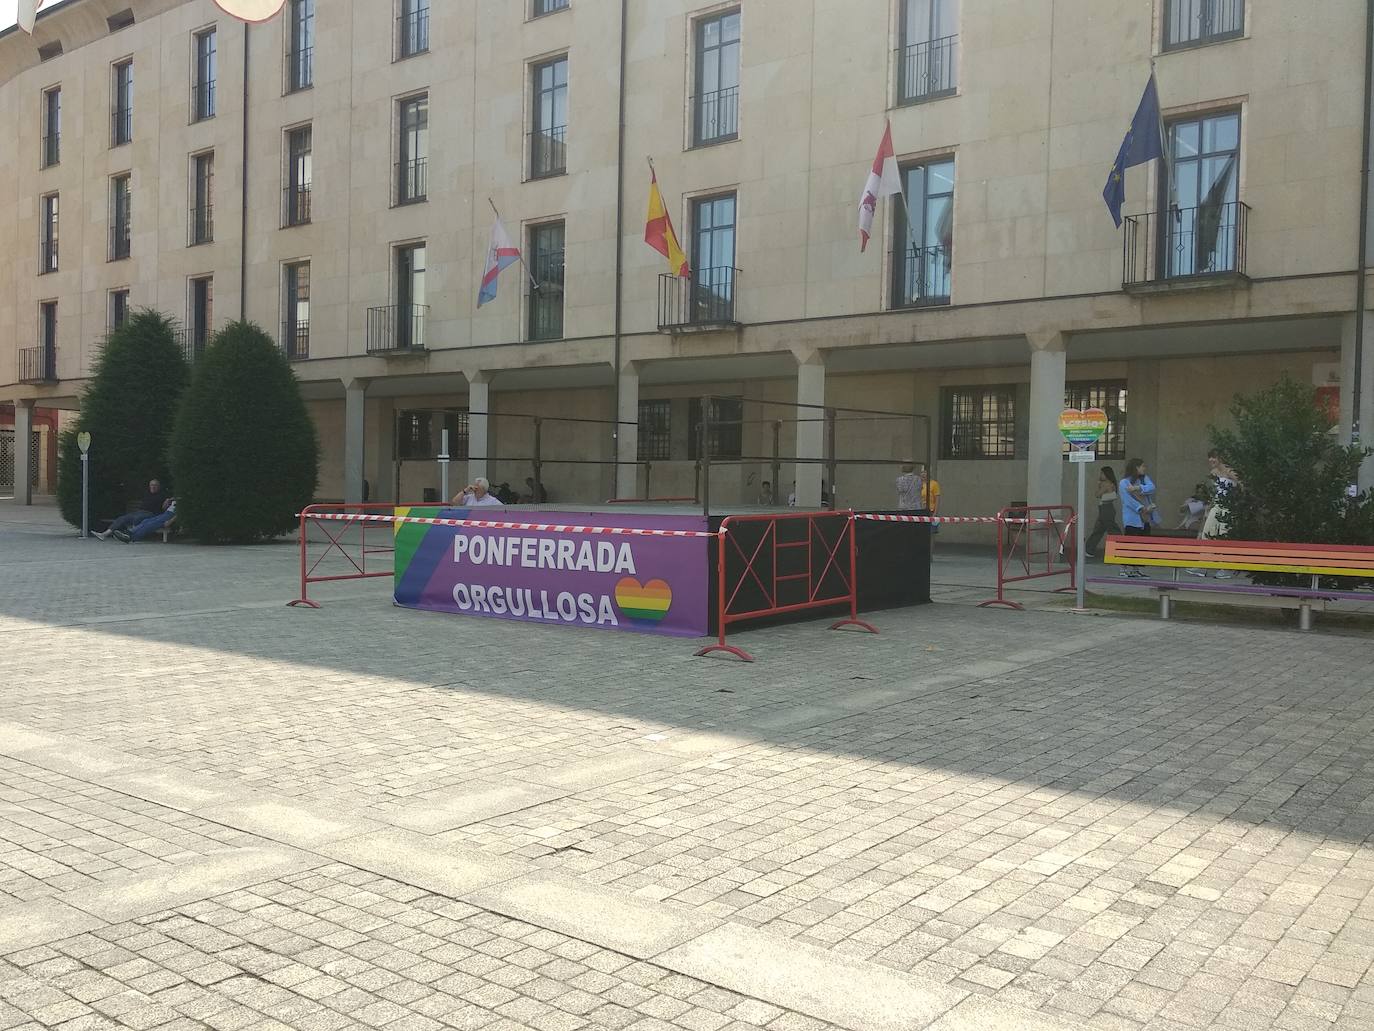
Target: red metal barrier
pixel 758 590
pixel 1021 531
pixel 333 521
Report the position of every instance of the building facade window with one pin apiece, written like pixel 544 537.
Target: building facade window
pixel 713 259
pixel 655 442
pixel 727 428
pixel 300 45
pixel 122 104
pixel 299 171
pixel 928 55
pixel 546 294
pixel 413 150
pixel 978 423
pixel 204 53
pixel 51 152
pixel 1200 232
pixel 412 28
pixel 121 216
pixel 119 307
pixel 419 433
pixel 200 315
pixel 202 216
pixel 47 239
pixel 542 7
pixel 1190 23
pixel 47 328
pixel 549 114
pixel 295 337
pixel 410 296
pixel 715 106
pixel 923 236
pixel 1110 396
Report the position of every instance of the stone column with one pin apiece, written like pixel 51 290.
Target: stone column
pixel 355 394
pixel 479 404
pixel 1366 414
pixel 1044 459
pixel 810 431
pixel 23 457
pixel 627 434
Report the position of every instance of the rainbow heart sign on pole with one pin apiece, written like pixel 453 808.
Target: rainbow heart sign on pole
pixel 1083 429
pixel 647 584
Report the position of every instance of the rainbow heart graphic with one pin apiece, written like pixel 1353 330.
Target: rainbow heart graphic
pixel 647 603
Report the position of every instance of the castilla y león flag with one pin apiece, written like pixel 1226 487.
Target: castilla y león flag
pixel 659 234
pixel 883 181
pixel 251 10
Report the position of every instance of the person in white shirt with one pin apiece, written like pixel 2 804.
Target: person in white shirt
pixel 477 494
pixel 909 488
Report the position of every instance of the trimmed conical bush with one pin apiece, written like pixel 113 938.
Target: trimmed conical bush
pixel 244 455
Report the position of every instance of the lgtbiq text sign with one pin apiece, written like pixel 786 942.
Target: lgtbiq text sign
pixel 647 584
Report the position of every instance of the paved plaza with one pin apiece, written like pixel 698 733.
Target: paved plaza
pixel 220 813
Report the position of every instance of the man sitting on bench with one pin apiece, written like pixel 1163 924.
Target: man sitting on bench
pixel 149 526
pixel 154 503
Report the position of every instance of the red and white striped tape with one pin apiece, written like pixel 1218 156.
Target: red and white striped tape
pixel 880 517
pixel 494 524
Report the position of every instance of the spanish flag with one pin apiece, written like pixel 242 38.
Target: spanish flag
pixel 658 231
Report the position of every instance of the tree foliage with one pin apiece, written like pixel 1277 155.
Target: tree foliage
pixel 1294 477
pixel 244 455
pixel 128 409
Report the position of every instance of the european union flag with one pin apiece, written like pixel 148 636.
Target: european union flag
pixel 1144 141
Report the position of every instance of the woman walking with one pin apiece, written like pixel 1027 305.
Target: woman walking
pixel 1106 509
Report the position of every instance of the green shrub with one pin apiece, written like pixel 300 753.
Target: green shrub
pixel 128 409
pixel 244 454
pixel 1293 475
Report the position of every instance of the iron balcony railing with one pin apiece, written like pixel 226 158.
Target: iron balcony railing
pixel 412 33
pixel 295 339
pixel 1185 243
pixel 38 364
pixel 295 205
pixel 121 126
pixel 411 184
pixel 119 241
pixel 927 70
pixel 52 149
pixel 922 277
pixel 548 7
pixel 396 328
pixel 716 116
pixel 1193 23
pixel 201 224
pixel 47 254
pixel 300 69
pixel 203 101
pixel 192 341
pixel 548 152
pixel 705 298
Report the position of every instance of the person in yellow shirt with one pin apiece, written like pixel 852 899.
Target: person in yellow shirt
pixel 930 500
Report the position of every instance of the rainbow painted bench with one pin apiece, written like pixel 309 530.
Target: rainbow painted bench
pixel 1182 554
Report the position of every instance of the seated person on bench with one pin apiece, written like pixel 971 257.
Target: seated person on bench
pixel 149 526
pixel 155 502
pixel 477 494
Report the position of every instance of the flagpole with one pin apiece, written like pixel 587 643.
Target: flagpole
pixel 520 251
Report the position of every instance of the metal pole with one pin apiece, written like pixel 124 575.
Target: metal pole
pixel 776 467
pixel 704 446
pixel 1080 544
pixel 830 462
pixel 85 495
pixel 538 464
pixel 443 467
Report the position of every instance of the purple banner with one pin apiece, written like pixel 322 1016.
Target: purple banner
pixel 613 582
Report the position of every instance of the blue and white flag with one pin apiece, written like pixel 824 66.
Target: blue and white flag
pixel 501 254
pixel 1144 142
